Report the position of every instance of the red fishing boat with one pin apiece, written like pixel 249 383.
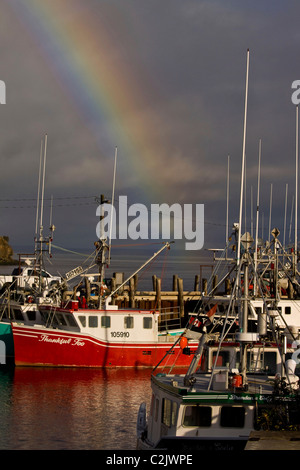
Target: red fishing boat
pixel 99 338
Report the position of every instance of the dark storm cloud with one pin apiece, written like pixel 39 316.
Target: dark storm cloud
pixel 193 57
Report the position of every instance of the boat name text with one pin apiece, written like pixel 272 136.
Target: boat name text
pixel 59 340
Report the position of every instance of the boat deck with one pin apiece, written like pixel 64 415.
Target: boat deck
pixel 220 383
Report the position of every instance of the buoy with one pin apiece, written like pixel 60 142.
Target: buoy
pixel 183 342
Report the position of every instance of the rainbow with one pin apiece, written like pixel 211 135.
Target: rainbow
pixel 107 90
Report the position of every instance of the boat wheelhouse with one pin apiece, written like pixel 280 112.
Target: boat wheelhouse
pixel 214 411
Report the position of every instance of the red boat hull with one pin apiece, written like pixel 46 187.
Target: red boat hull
pixel 58 348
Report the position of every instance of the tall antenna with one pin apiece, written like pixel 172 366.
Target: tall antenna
pixel 285 211
pixel 243 164
pixel 38 194
pixel 291 220
pixel 251 209
pixel 43 187
pixel 112 204
pixel 296 195
pixel 270 214
pixel 257 212
pixel 227 198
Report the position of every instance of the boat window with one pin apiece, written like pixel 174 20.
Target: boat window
pixel 70 319
pixel 17 272
pixel 169 412
pixel 270 362
pixel 260 360
pixel 223 358
pixel 128 322
pixel 82 320
pixel 152 404
pixel 31 314
pixel 258 310
pixel 17 314
pixel 60 319
pixel 147 323
pixel 105 322
pixel 195 415
pixel 287 310
pixel 174 413
pixel 156 409
pixel 93 321
pixel 232 417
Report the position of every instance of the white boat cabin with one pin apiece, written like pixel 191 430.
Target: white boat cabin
pixel 109 324
pixel 287 312
pixel 214 413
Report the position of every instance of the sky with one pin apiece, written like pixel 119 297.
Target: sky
pixel 164 83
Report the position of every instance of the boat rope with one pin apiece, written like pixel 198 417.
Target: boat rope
pixel 70 251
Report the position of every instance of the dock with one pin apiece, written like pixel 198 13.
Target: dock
pixel 129 296
pixel 273 440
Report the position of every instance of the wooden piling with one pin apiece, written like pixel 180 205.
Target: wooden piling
pixel 87 289
pixel 158 293
pixel 154 277
pixel 113 288
pixel 175 282
pixel 131 293
pixel 180 296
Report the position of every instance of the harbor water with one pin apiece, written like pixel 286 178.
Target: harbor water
pixel 80 409
pixel 70 409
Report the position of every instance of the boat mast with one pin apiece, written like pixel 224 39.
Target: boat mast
pixel 101 245
pixel 257 216
pixel 243 164
pixel 38 194
pixel 296 196
pixel 227 204
pixel 101 248
pixel 246 239
pixel 112 205
pixel 270 213
pixel 285 211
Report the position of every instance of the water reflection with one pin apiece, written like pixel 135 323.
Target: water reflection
pixel 44 408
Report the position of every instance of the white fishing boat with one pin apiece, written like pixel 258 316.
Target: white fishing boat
pixel 30 285
pixel 234 384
